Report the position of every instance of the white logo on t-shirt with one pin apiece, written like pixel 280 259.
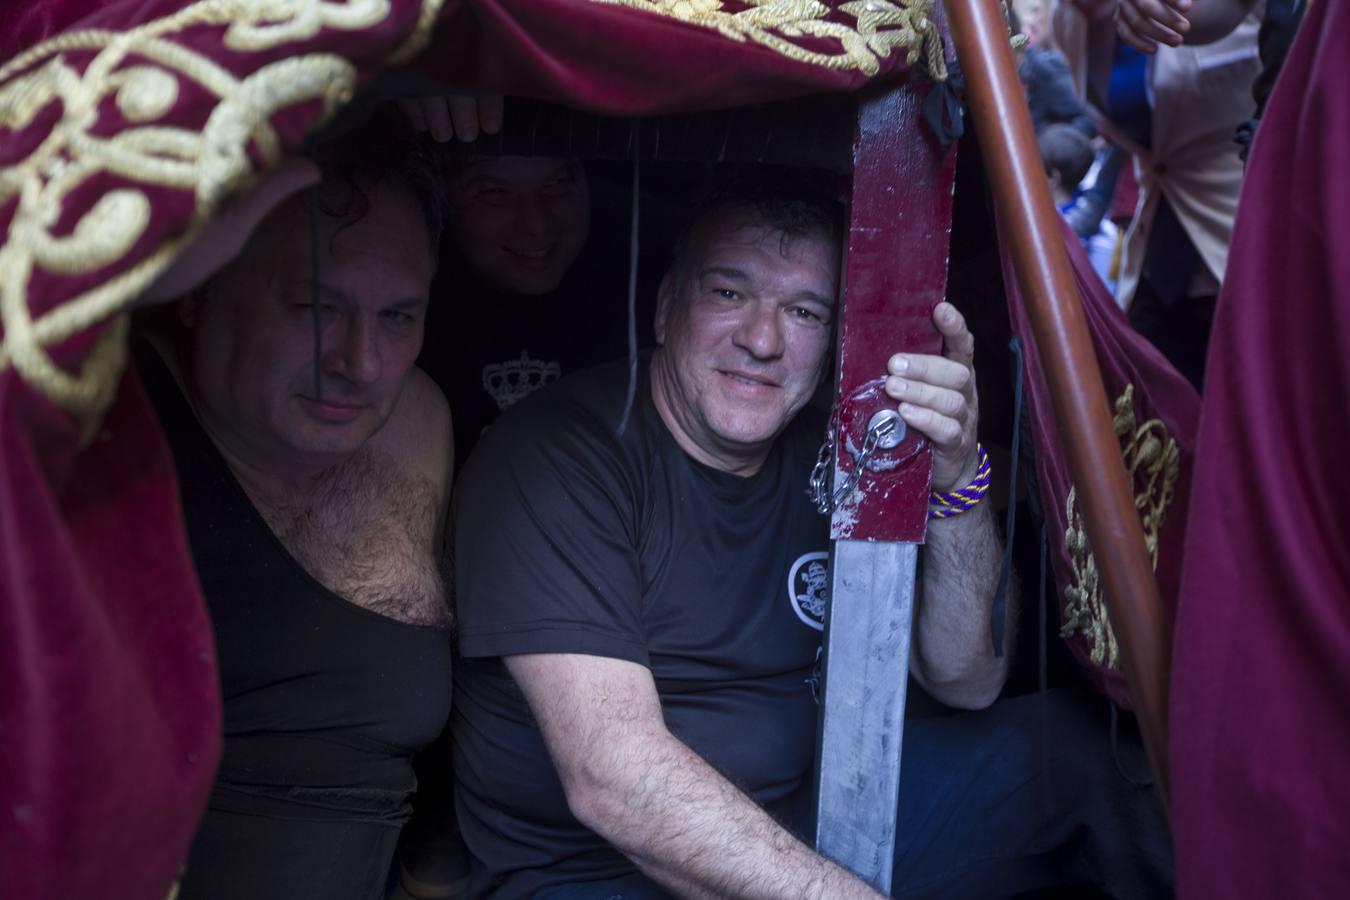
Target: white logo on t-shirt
pixel 809 588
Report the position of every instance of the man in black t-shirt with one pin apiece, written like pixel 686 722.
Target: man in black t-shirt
pixel 523 303
pixel 516 308
pixel 640 588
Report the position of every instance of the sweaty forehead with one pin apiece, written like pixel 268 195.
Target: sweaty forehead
pixel 737 233
pixel 390 231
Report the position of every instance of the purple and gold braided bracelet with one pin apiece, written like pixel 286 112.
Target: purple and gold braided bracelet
pixel 945 504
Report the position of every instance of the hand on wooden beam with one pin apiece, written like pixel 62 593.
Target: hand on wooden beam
pixel 937 397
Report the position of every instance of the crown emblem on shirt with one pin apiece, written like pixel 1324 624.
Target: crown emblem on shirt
pixel 510 382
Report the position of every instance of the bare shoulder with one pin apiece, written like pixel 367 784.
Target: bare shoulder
pixel 418 434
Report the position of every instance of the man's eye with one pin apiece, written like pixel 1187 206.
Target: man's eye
pixel 399 317
pixel 806 315
pixel 727 293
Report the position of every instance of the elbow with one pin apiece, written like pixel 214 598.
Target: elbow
pixel 972 696
pixel 974 685
pixel 608 809
pixel 596 802
pixel 587 801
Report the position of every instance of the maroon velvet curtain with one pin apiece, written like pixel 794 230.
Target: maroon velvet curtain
pixel 1156 413
pixel 1261 670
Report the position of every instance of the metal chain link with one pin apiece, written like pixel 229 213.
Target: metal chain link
pixel 819 491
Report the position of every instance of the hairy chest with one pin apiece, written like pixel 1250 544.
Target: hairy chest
pixel 369 534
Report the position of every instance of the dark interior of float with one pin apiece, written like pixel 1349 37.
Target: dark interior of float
pixel 669 158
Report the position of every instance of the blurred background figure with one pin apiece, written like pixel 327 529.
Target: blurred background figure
pixel 1176 112
pixel 1051 94
pixel 1067 154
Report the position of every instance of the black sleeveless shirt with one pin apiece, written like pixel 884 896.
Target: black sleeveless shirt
pixel 325 702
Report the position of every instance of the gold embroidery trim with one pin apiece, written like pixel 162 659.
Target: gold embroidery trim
pixel 1153 462
pixel 881 27
pixel 212 162
pixel 421 35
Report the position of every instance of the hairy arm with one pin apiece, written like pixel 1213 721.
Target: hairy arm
pixel 953 643
pixel 953 654
pixel 628 779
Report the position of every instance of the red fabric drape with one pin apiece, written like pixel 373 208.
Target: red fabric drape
pixel 109 717
pixel 1261 673
pixel 109 707
pixel 1163 408
pixel 611 59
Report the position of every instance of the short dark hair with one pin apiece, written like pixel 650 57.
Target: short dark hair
pixel 1066 150
pixel 386 151
pixel 790 201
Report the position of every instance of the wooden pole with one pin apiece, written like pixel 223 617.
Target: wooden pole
pixel 1030 224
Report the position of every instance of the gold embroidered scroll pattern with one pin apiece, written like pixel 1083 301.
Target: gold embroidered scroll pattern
pixel 142 70
pixel 1153 462
pixel 882 26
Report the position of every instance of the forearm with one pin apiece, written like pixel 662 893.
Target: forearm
pixel 952 655
pixel 953 644
pixel 629 780
pixel 688 828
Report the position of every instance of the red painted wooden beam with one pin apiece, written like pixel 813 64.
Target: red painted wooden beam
pixel 895 272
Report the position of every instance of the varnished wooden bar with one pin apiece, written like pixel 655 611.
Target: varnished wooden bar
pixel 1030 224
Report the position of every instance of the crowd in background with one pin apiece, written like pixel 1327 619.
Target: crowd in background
pixel 1144 152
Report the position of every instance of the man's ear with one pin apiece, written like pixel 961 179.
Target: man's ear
pixel 665 296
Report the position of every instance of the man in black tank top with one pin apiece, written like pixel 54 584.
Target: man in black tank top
pixel 315 465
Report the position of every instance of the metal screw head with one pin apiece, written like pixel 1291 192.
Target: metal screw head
pixel 890 428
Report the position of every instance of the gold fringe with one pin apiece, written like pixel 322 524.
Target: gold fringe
pixel 882 26
pixel 422 31
pixel 1153 462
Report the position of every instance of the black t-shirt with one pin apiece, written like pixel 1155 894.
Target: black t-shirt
pixel 488 350
pixel 572 539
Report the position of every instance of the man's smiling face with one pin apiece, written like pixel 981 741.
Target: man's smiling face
pixel 520 221
pixel 745 324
